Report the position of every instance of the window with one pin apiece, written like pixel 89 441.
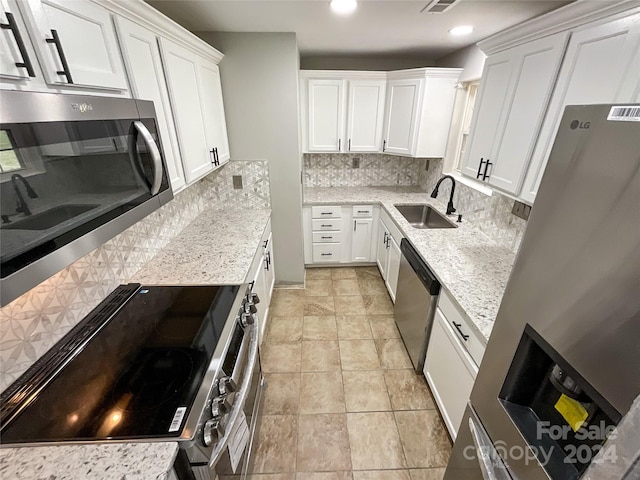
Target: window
pixel 9 161
pixel 467 116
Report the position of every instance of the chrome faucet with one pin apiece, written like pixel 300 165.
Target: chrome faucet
pixel 434 194
pixel 22 204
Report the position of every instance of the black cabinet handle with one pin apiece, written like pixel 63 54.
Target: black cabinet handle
pixel 13 26
pixel 458 325
pixel 354 225
pixel 384 145
pixel 486 167
pixel 339 144
pixel 326 238
pixel 326 225
pixel 326 254
pixel 363 211
pixel 326 213
pixel 480 167
pixel 384 239
pixel 63 58
pixel 266 242
pixel 349 144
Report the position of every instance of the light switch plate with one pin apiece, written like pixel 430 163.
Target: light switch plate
pixel 355 162
pixel 521 210
pixel 237 182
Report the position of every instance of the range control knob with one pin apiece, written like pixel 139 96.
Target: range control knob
pixel 250 308
pixel 247 319
pixel 219 407
pixel 210 432
pixel 225 386
pixel 254 298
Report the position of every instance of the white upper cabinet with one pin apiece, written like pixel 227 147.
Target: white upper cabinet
pixel 325 115
pixel 75 43
pixel 213 111
pixel 17 57
pixel 182 74
pixel 144 67
pixel 365 115
pixel 403 103
pixel 601 65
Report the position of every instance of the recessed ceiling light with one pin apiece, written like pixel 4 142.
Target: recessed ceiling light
pixel 343 7
pixel 461 30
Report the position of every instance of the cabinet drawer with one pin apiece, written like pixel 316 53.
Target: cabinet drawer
pixel 320 225
pixel 460 324
pixel 326 212
pixel 326 252
pixel 361 211
pixel 326 237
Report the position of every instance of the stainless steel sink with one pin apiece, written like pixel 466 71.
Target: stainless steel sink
pixel 424 216
pixel 49 218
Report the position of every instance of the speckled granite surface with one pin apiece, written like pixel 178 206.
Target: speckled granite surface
pixel 471 266
pixel 127 461
pixel 217 247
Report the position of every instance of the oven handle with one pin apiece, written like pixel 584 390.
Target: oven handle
pixel 241 394
pixel 138 127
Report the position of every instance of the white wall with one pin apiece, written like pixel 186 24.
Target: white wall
pixel 260 87
pixel 470 58
pixel 363 62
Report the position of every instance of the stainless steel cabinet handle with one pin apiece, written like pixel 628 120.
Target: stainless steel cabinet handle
pixel 384 240
pixel 339 144
pixel 458 328
pixel 480 167
pixel 349 144
pixel 13 26
pixel 486 167
pixel 63 58
pixel 138 127
pixel 354 225
pixel 384 145
pixel 490 462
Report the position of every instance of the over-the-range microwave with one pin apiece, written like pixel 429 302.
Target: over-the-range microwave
pixel 74 172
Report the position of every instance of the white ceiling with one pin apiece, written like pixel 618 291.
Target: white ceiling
pixel 377 26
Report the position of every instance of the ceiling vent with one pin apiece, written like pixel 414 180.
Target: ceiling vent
pixel 439 6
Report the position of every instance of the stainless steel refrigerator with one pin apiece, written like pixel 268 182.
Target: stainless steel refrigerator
pixel 562 365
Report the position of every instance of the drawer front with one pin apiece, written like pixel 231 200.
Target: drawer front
pixel 362 211
pixel 327 237
pixel 460 324
pixel 326 252
pixel 326 212
pixel 320 225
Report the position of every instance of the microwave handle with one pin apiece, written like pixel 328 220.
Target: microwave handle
pixel 241 394
pixel 138 128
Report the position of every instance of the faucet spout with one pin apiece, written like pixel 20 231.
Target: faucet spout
pixel 22 203
pixel 434 194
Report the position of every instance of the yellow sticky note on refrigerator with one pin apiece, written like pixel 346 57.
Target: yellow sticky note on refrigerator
pixel 572 411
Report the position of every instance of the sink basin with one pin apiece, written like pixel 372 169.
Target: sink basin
pixel 49 218
pixel 423 216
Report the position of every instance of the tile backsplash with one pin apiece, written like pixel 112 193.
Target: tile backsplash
pixel 34 322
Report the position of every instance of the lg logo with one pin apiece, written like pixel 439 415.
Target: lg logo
pixel 578 124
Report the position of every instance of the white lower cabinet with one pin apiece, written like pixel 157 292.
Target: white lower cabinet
pixel 393 267
pixel 262 274
pixel 388 253
pixel 361 241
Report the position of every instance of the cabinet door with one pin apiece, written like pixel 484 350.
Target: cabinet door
pixel 260 288
pixel 87 41
pixel 361 240
pixel 181 71
pixel 403 105
pixel 142 60
pixel 326 115
pixel 12 53
pixel 393 267
pixel 365 115
pixel 382 255
pixel 486 116
pixel 601 65
pixel 450 373
pixel 213 110
pixel 270 275
pixel 536 68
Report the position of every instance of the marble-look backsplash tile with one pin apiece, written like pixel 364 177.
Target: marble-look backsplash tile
pixel 34 322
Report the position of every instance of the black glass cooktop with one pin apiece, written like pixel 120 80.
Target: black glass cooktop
pixel 136 378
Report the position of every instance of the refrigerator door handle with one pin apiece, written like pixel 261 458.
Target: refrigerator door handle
pixel 490 462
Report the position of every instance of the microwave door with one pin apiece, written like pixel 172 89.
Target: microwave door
pixel 139 130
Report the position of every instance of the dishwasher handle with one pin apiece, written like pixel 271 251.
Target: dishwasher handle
pixel 419 266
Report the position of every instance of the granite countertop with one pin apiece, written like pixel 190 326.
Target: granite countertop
pixel 469 264
pixel 124 461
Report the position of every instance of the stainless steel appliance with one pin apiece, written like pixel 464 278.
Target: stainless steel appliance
pixel 561 366
pixel 74 172
pixel 152 363
pixel 416 298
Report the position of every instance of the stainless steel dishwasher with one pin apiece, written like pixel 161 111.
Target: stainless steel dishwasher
pixel 416 297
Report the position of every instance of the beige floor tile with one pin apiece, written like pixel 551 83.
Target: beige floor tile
pixel 319 306
pixel 319 288
pixel 367 272
pixel 323 443
pixel 349 305
pixel 276 444
pixel 267 476
pixel 353 327
pixel 365 391
pixel 374 440
pixel 343 272
pixel 346 286
pixel 282 393
pixel 321 392
pixel 393 354
pixel 284 329
pixel 320 356
pixel 280 357
pixel 424 438
pixel 318 273
pixel 370 285
pixel 408 391
pixel 383 326
pixel 427 474
pixel 319 328
pixel 324 476
pixel 382 475
pixel 378 304
pixel 287 303
pixel 358 355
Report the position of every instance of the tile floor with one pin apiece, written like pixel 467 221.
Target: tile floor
pixel 342 401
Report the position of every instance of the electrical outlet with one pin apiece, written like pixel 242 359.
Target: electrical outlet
pixel 237 182
pixel 521 210
pixel 355 162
